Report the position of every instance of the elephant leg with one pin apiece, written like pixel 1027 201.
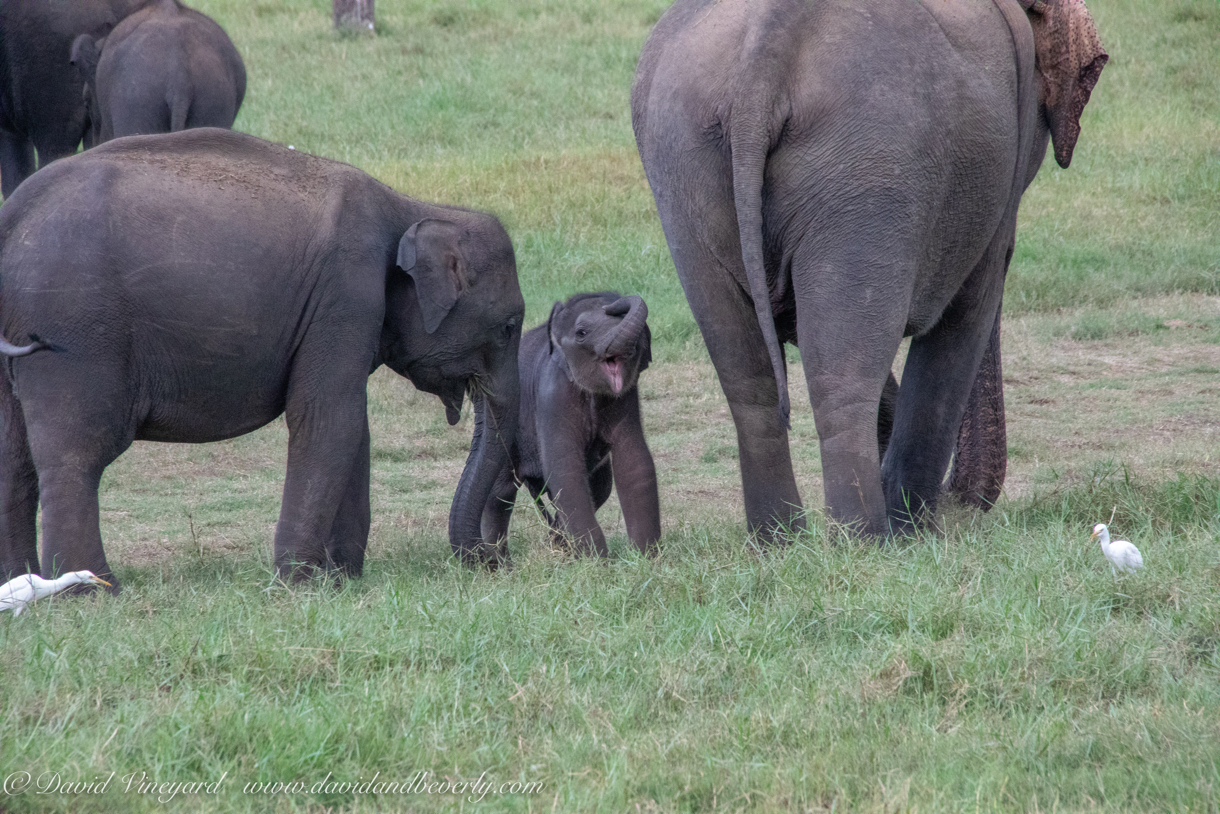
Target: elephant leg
pixel 349 535
pixel 885 414
pixel 327 416
pixel 498 512
pixel 980 461
pixel 635 478
pixel 74 435
pixel 848 352
pixel 16 161
pixel 567 484
pixel 601 484
pixel 18 490
pixel 936 383
pixel 702 233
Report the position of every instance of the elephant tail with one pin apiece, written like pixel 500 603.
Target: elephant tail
pixel 179 108
pixel 9 349
pixel 750 141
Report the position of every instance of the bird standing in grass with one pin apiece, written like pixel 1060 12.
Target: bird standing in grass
pixel 1121 554
pixel 17 593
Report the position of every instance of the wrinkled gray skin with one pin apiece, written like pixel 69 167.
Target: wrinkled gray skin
pixel 226 281
pixel 580 429
pixel 841 174
pixel 163 69
pixel 41 103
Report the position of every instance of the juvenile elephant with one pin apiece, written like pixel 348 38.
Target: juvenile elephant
pixel 841 174
pixel 227 280
pixel 163 69
pixel 41 104
pixel 580 430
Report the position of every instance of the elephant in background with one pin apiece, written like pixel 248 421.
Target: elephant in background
pixel 841 174
pixel 163 69
pixel 580 430
pixel 225 281
pixel 41 102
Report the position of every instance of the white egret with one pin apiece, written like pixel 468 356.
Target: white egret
pixel 17 593
pixel 1121 554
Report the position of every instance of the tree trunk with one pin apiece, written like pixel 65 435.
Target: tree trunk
pixel 354 15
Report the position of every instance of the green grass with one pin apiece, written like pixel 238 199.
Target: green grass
pixel 997 666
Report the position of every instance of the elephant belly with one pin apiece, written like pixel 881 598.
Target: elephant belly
pixel 209 415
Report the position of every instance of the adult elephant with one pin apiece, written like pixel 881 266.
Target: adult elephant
pixel 841 174
pixel 163 69
pixel 41 102
pixel 227 280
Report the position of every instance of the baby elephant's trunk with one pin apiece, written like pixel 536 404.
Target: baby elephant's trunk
pixel 622 341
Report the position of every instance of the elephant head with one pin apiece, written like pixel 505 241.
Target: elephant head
pixel 453 326
pixel 1069 58
pixel 602 340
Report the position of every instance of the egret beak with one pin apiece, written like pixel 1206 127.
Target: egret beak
pixel 101 581
pixel 1093 536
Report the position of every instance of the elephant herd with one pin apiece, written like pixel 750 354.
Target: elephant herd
pixel 839 174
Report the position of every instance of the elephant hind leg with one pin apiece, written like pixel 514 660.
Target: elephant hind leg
pixel 18 490
pixel 936 384
pixel 78 422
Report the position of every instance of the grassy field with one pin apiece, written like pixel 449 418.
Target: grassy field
pixel 996 666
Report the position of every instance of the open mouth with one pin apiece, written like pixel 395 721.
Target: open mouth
pixel 613 369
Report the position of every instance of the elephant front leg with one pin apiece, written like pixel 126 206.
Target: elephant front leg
pixel 567 483
pixel 635 478
pixel 18 490
pixel 349 535
pixel 324 443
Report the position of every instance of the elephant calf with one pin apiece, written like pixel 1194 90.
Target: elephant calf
pixel 163 69
pixel 580 431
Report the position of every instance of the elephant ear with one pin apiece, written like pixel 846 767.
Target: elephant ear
pixel 554 350
pixel 431 253
pixel 86 51
pixel 1069 58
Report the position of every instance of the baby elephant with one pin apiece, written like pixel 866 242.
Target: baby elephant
pixel 163 69
pixel 580 430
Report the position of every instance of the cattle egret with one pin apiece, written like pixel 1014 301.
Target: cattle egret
pixel 17 593
pixel 1121 554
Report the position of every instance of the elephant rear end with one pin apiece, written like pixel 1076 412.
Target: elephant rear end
pixel 842 174
pixel 166 68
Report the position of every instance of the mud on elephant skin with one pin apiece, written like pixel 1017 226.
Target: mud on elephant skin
pixel 163 69
pixel 41 104
pixel 580 429
pixel 227 281
pixel 841 174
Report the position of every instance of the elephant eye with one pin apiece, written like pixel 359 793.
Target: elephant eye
pixel 581 333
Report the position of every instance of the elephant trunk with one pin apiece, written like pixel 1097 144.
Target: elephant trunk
pixel 622 340
pixel 495 431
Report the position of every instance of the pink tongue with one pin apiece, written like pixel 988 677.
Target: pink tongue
pixel 614 372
